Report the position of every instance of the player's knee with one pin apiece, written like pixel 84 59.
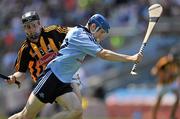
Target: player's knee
pixel 17 116
pixel 77 112
pixel 26 115
pixel 14 117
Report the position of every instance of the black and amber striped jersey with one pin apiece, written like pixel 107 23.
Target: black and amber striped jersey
pixel 166 70
pixel 35 56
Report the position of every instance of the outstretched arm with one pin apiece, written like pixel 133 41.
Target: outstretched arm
pixel 112 56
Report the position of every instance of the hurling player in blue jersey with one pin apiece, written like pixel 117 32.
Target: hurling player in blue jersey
pixel 55 85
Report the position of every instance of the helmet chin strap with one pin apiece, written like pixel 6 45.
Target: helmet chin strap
pixel 94 31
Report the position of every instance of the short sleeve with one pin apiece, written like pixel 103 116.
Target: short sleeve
pixel 89 45
pixel 22 60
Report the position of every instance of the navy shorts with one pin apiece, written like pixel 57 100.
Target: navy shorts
pixel 49 87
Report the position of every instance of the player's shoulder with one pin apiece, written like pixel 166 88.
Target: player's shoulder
pixel 50 28
pixel 85 32
pixel 78 33
pixel 81 31
pixel 58 28
pixel 24 45
pixel 163 61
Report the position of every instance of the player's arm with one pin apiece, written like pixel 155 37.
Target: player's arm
pixel 21 65
pixel 91 47
pixel 17 76
pixel 112 56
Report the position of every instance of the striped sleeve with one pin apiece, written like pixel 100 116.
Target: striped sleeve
pixel 61 33
pixel 22 60
pixel 62 29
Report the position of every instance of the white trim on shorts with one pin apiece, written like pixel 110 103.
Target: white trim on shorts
pixel 41 83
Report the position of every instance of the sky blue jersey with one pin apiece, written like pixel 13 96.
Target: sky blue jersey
pixel 78 43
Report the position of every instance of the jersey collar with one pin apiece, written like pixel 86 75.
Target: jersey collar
pixel 86 29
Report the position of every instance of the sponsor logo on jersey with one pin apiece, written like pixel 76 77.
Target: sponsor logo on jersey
pixel 47 58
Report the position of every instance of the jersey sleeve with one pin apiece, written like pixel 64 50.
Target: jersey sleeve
pixel 62 29
pixel 57 32
pixel 61 32
pixel 89 45
pixel 22 60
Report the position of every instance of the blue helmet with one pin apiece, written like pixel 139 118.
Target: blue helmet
pixel 100 22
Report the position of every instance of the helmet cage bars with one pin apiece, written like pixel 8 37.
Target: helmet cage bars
pixel 100 22
pixel 30 16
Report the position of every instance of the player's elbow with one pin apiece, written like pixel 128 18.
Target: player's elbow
pixel 103 54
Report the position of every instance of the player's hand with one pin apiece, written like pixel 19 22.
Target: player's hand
pixel 138 57
pixel 11 80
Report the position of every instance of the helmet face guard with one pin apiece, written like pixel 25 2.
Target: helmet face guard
pixel 27 19
pixel 32 30
pixel 100 22
pixel 32 37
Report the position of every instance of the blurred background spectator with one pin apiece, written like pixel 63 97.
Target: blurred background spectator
pixel 105 83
